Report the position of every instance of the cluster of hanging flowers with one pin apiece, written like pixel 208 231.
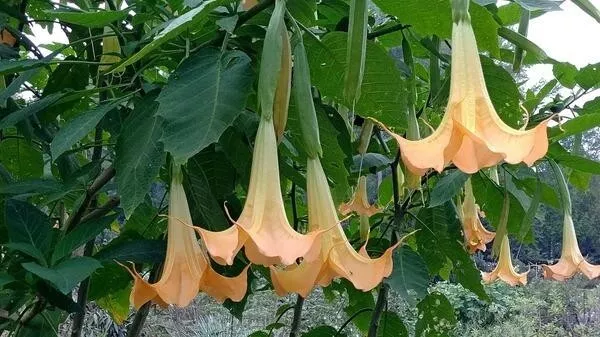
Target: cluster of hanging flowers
pixel 471 136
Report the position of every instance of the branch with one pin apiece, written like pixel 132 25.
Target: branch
pixel 139 319
pixel 381 300
pixel 252 12
pixel 102 210
pixel 100 181
pixel 350 319
pixel 294 329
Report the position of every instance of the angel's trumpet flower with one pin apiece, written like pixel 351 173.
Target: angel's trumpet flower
pixel 471 134
pixel 504 269
pixel 263 228
pixel 247 4
pixel 476 236
pixel 337 257
pixel 360 201
pixel 571 260
pixel 7 38
pixel 187 268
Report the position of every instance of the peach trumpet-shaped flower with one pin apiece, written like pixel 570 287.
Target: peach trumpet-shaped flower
pixel 187 268
pixel 505 270
pixel 337 257
pixel 471 134
pixel 476 236
pixel 360 201
pixel 263 227
pixel 571 260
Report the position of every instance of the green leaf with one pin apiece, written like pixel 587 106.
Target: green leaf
pixel 145 220
pixel 195 17
pixel 303 11
pixel 323 331
pixel 12 66
pixel 88 19
pixel 369 162
pixel 382 91
pixel 116 304
pixel 21 159
pixel 563 157
pixel 5 279
pixel 66 275
pixel 589 76
pixel 409 274
pixel 447 187
pixel 137 251
pixel 439 227
pixel 524 43
pixel 575 126
pixel 504 92
pixel 28 225
pixel 78 127
pixel 34 187
pixel 565 73
pixel 210 178
pixel 358 300
pixel 27 249
pixel 436 316
pixel 490 198
pixel 434 17
pixel 109 279
pixel 390 325
pixel 83 233
pixel 29 110
pixel 139 154
pixel 203 97
pixel 588 7
pixel 581 180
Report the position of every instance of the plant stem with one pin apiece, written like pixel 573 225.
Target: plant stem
pixel 351 318
pixel 378 311
pixel 82 295
pixel 297 316
pixel 386 30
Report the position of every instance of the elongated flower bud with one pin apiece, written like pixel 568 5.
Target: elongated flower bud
pixel 284 87
pixel 365 136
pixel 111 50
pixel 356 50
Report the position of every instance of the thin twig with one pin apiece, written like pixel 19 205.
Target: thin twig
pixel 386 30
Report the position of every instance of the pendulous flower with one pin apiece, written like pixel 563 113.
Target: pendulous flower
pixel 471 134
pixel 571 260
pixel 263 228
pixel 186 269
pixel 505 270
pixel 337 257
pixel 360 201
pixel 476 236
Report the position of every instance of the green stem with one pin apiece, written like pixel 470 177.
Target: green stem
pixel 378 311
pixel 563 187
pixel 460 10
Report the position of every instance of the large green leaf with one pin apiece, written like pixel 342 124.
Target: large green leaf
pixel 589 76
pixel 21 159
pixel 490 198
pixel 439 227
pixel 12 66
pixel 575 126
pixel 135 250
pixel 66 275
pixel 28 225
pixel 436 316
pixel 434 17
pixel 88 19
pixel 504 92
pixel 447 187
pixel 203 97
pixel 83 233
pixel 382 91
pixel 358 300
pixel 409 274
pixel 390 325
pixel 524 43
pixel 210 178
pixel 33 186
pixel 195 17
pixel 78 127
pixel 565 74
pixel 139 154
pixel 563 157
pixel 29 110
